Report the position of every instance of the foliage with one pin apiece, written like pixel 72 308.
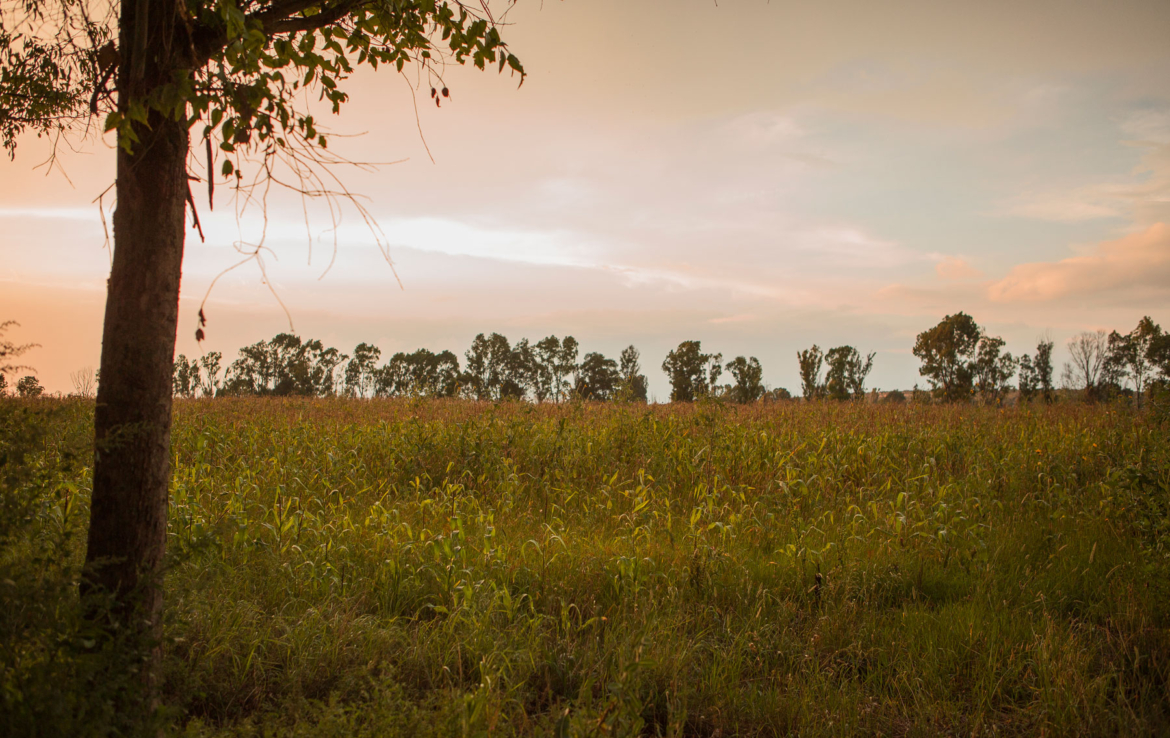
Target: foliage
pixel 749 379
pixel 633 385
pixel 410 567
pixel 10 351
pixel 45 83
pixel 29 386
pixel 692 373
pixel 421 373
pixel 993 369
pixel 48 659
pixel 810 361
pixel 597 378
pixel 285 365
pixel 1036 373
pixel 361 373
pixel 1134 356
pixel 947 352
pixel 845 378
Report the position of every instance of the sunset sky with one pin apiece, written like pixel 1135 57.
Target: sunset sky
pixel 758 175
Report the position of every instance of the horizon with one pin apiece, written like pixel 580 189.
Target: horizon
pixel 846 176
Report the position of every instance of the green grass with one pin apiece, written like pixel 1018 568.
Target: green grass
pixel 451 568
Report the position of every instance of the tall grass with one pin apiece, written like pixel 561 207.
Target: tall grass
pixel 413 568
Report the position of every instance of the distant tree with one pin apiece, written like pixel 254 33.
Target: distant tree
pixel 521 372
pixel 477 372
pixel 1115 368
pixel 633 385
pixel 545 356
pixel 895 396
pixel 597 378
pixel 778 394
pixel 810 361
pixel 947 352
pixel 846 374
pixel 1160 356
pixel 362 370
pixel 1136 354
pixel 209 364
pixel 994 368
pixel 285 365
pixel 1027 381
pixel 1087 352
pixel 442 373
pixel 1042 369
pixel 83 382
pixel 748 375
pixel 3 386
pixel 28 386
pixel 490 369
pixel 692 373
pixel 565 368
pixel 185 377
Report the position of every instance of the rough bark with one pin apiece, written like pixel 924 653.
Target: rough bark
pixel 127 531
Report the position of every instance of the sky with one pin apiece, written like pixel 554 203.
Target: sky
pixel 760 176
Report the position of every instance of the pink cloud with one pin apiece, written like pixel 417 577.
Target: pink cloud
pixel 1138 261
pixel 955 268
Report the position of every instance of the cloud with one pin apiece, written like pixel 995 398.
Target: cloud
pixel 1140 262
pixel 1089 203
pixel 956 268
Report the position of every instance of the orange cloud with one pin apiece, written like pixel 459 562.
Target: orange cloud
pixel 956 267
pixel 1138 261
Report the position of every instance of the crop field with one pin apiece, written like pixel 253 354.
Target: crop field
pixel 451 568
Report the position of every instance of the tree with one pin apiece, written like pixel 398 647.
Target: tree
pixel 1042 369
pixel 1087 352
pixel 420 374
pixel 285 365
pixel 564 367
pixel 810 361
pixel 83 382
pixel 3 385
pixel 947 352
pixel 692 373
pixel 361 371
pixel 520 372
pixel 846 375
pixel 28 386
pixel 597 378
pixel 1027 379
pixel 493 373
pixel 748 375
pixel 633 385
pixel 209 363
pixel 993 368
pixel 185 377
pixel 1134 354
pixel 235 73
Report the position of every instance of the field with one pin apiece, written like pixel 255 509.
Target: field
pixel 451 568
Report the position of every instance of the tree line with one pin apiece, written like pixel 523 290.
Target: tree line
pixel 960 362
pixel 550 370
pixel 959 359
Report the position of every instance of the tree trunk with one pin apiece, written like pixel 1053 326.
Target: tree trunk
pixel 132 423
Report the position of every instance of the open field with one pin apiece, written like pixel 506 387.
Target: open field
pixel 452 568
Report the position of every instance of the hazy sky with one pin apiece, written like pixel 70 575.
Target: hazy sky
pixel 759 176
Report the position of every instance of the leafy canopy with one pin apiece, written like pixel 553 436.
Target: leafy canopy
pixel 238 70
